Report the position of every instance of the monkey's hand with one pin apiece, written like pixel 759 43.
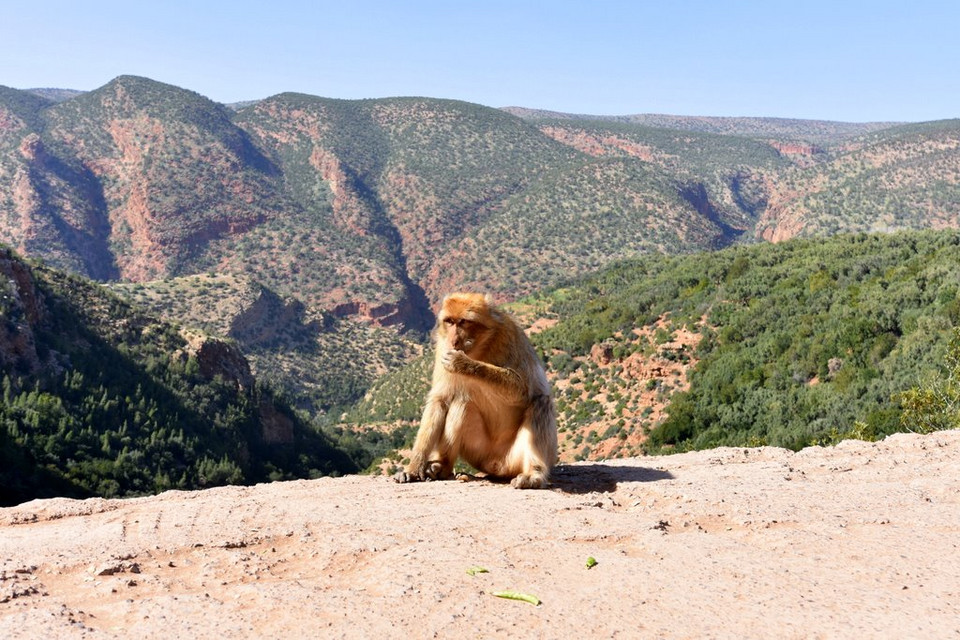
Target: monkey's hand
pixel 506 382
pixel 415 471
pixel 456 361
pixel 405 476
pixel 421 471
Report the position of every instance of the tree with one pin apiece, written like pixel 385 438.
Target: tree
pixel 934 405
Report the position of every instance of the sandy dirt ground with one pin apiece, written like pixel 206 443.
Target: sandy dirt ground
pixel 857 541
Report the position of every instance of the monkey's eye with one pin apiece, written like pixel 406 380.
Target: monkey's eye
pixel 449 321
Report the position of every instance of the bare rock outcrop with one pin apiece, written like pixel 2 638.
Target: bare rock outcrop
pixel 22 307
pixel 216 357
pixel 277 427
pixel 219 358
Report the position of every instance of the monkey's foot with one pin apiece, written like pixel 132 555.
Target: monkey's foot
pixel 466 477
pixel 529 481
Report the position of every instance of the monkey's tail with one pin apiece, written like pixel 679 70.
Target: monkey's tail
pixel 543 420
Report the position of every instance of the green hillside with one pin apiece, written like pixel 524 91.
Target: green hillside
pixel 320 361
pixel 822 132
pixel 901 178
pixel 780 185
pixel 21 109
pixel 100 399
pixel 800 340
pixel 405 179
pixel 721 176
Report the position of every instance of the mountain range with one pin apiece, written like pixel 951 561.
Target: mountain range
pixel 377 207
pixel 319 233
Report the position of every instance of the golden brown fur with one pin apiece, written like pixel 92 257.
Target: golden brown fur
pixel 489 403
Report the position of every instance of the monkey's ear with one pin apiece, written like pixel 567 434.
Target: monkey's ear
pixel 492 307
pixel 495 313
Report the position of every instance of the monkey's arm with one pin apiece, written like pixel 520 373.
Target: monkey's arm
pixel 508 382
pixel 428 437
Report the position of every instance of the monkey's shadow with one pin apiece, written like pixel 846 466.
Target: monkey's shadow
pixel 601 478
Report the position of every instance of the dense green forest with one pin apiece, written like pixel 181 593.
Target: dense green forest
pixel 115 404
pixel 803 342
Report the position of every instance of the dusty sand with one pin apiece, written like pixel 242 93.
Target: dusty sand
pixel 857 541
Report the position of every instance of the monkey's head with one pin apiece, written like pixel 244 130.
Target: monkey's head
pixel 466 322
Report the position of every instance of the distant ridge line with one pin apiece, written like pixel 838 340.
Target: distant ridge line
pixel 660 120
pixel 747 125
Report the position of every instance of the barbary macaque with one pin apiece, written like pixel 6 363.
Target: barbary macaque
pixel 489 403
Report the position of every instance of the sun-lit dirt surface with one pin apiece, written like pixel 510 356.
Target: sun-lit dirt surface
pixel 858 541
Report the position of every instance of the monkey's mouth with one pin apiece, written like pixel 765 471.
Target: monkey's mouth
pixel 467 345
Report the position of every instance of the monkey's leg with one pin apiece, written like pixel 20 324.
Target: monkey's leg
pixel 432 423
pixel 535 449
pixel 447 450
pixel 535 472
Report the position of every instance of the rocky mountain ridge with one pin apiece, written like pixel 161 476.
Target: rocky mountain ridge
pixel 374 208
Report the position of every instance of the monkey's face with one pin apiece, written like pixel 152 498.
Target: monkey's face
pixel 465 323
pixel 461 334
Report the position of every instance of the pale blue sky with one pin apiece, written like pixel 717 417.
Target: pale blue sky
pixel 821 59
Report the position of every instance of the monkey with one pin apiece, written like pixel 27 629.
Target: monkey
pixel 489 401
